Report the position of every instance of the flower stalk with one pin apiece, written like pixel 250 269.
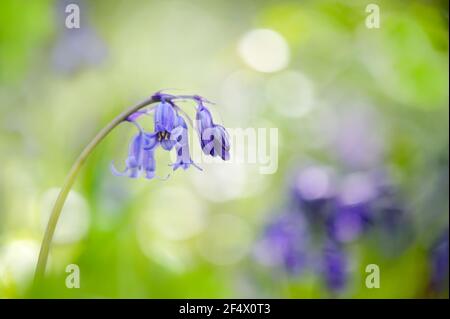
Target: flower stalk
pixel 70 179
pixel 170 132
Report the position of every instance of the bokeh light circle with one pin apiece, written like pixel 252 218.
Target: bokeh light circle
pixel 264 50
pixel 226 240
pixel 17 261
pixel 74 222
pixel 174 214
pixel 241 181
pixel 291 93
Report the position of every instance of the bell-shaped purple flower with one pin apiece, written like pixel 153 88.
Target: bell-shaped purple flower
pixel 204 122
pixel 140 157
pixel 171 131
pixel 219 142
pixel 165 117
pixel 214 139
pixel 179 136
pixel 203 118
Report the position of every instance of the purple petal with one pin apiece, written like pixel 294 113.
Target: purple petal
pixel 167 144
pixel 164 117
pixel 216 141
pixel 151 141
pixel 149 164
pixel 117 172
pixel 203 118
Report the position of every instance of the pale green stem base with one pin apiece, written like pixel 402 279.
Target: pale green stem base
pixel 70 179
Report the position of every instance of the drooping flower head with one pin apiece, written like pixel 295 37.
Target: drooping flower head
pixel 180 137
pixel 140 156
pixel 214 139
pixel 170 131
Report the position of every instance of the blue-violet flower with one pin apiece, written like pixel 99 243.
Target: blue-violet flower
pixel 171 132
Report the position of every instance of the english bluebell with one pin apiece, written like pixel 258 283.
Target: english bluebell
pixel 313 192
pixel 347 222
pixel 170 131
pixel 214 139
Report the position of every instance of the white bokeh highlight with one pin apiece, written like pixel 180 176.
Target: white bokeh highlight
pixel 264 50
pixel 223 182
pixel 226 240
pixel 18 258
pixel 174 213
pixel 291 93
pixel 74 222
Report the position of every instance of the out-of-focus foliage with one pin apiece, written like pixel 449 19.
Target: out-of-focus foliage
pixel 356 101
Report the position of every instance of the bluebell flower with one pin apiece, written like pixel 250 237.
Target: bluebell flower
pixel 313 191
pixel 170 131
pixel 334 266
pixel 164 122
pixel 347 222
pixel 140 157
pixel 180 136
pixel 285 243
pixel 204 122
pixel 219 144
pixel 77 48
pixel 352 212
pixel 214 139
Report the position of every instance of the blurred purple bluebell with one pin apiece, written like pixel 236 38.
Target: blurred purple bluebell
pixel 76 48
pixel 334 266
pixel 170 131
pixel 357 137
pixel 331 211
pixel 284 243
pixel 347 222
pixel 440 263
pixel 351 214
pixel 313 191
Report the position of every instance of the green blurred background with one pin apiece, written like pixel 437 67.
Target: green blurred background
pixel 313 72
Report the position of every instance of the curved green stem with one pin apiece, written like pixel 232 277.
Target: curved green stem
pixel 70 179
